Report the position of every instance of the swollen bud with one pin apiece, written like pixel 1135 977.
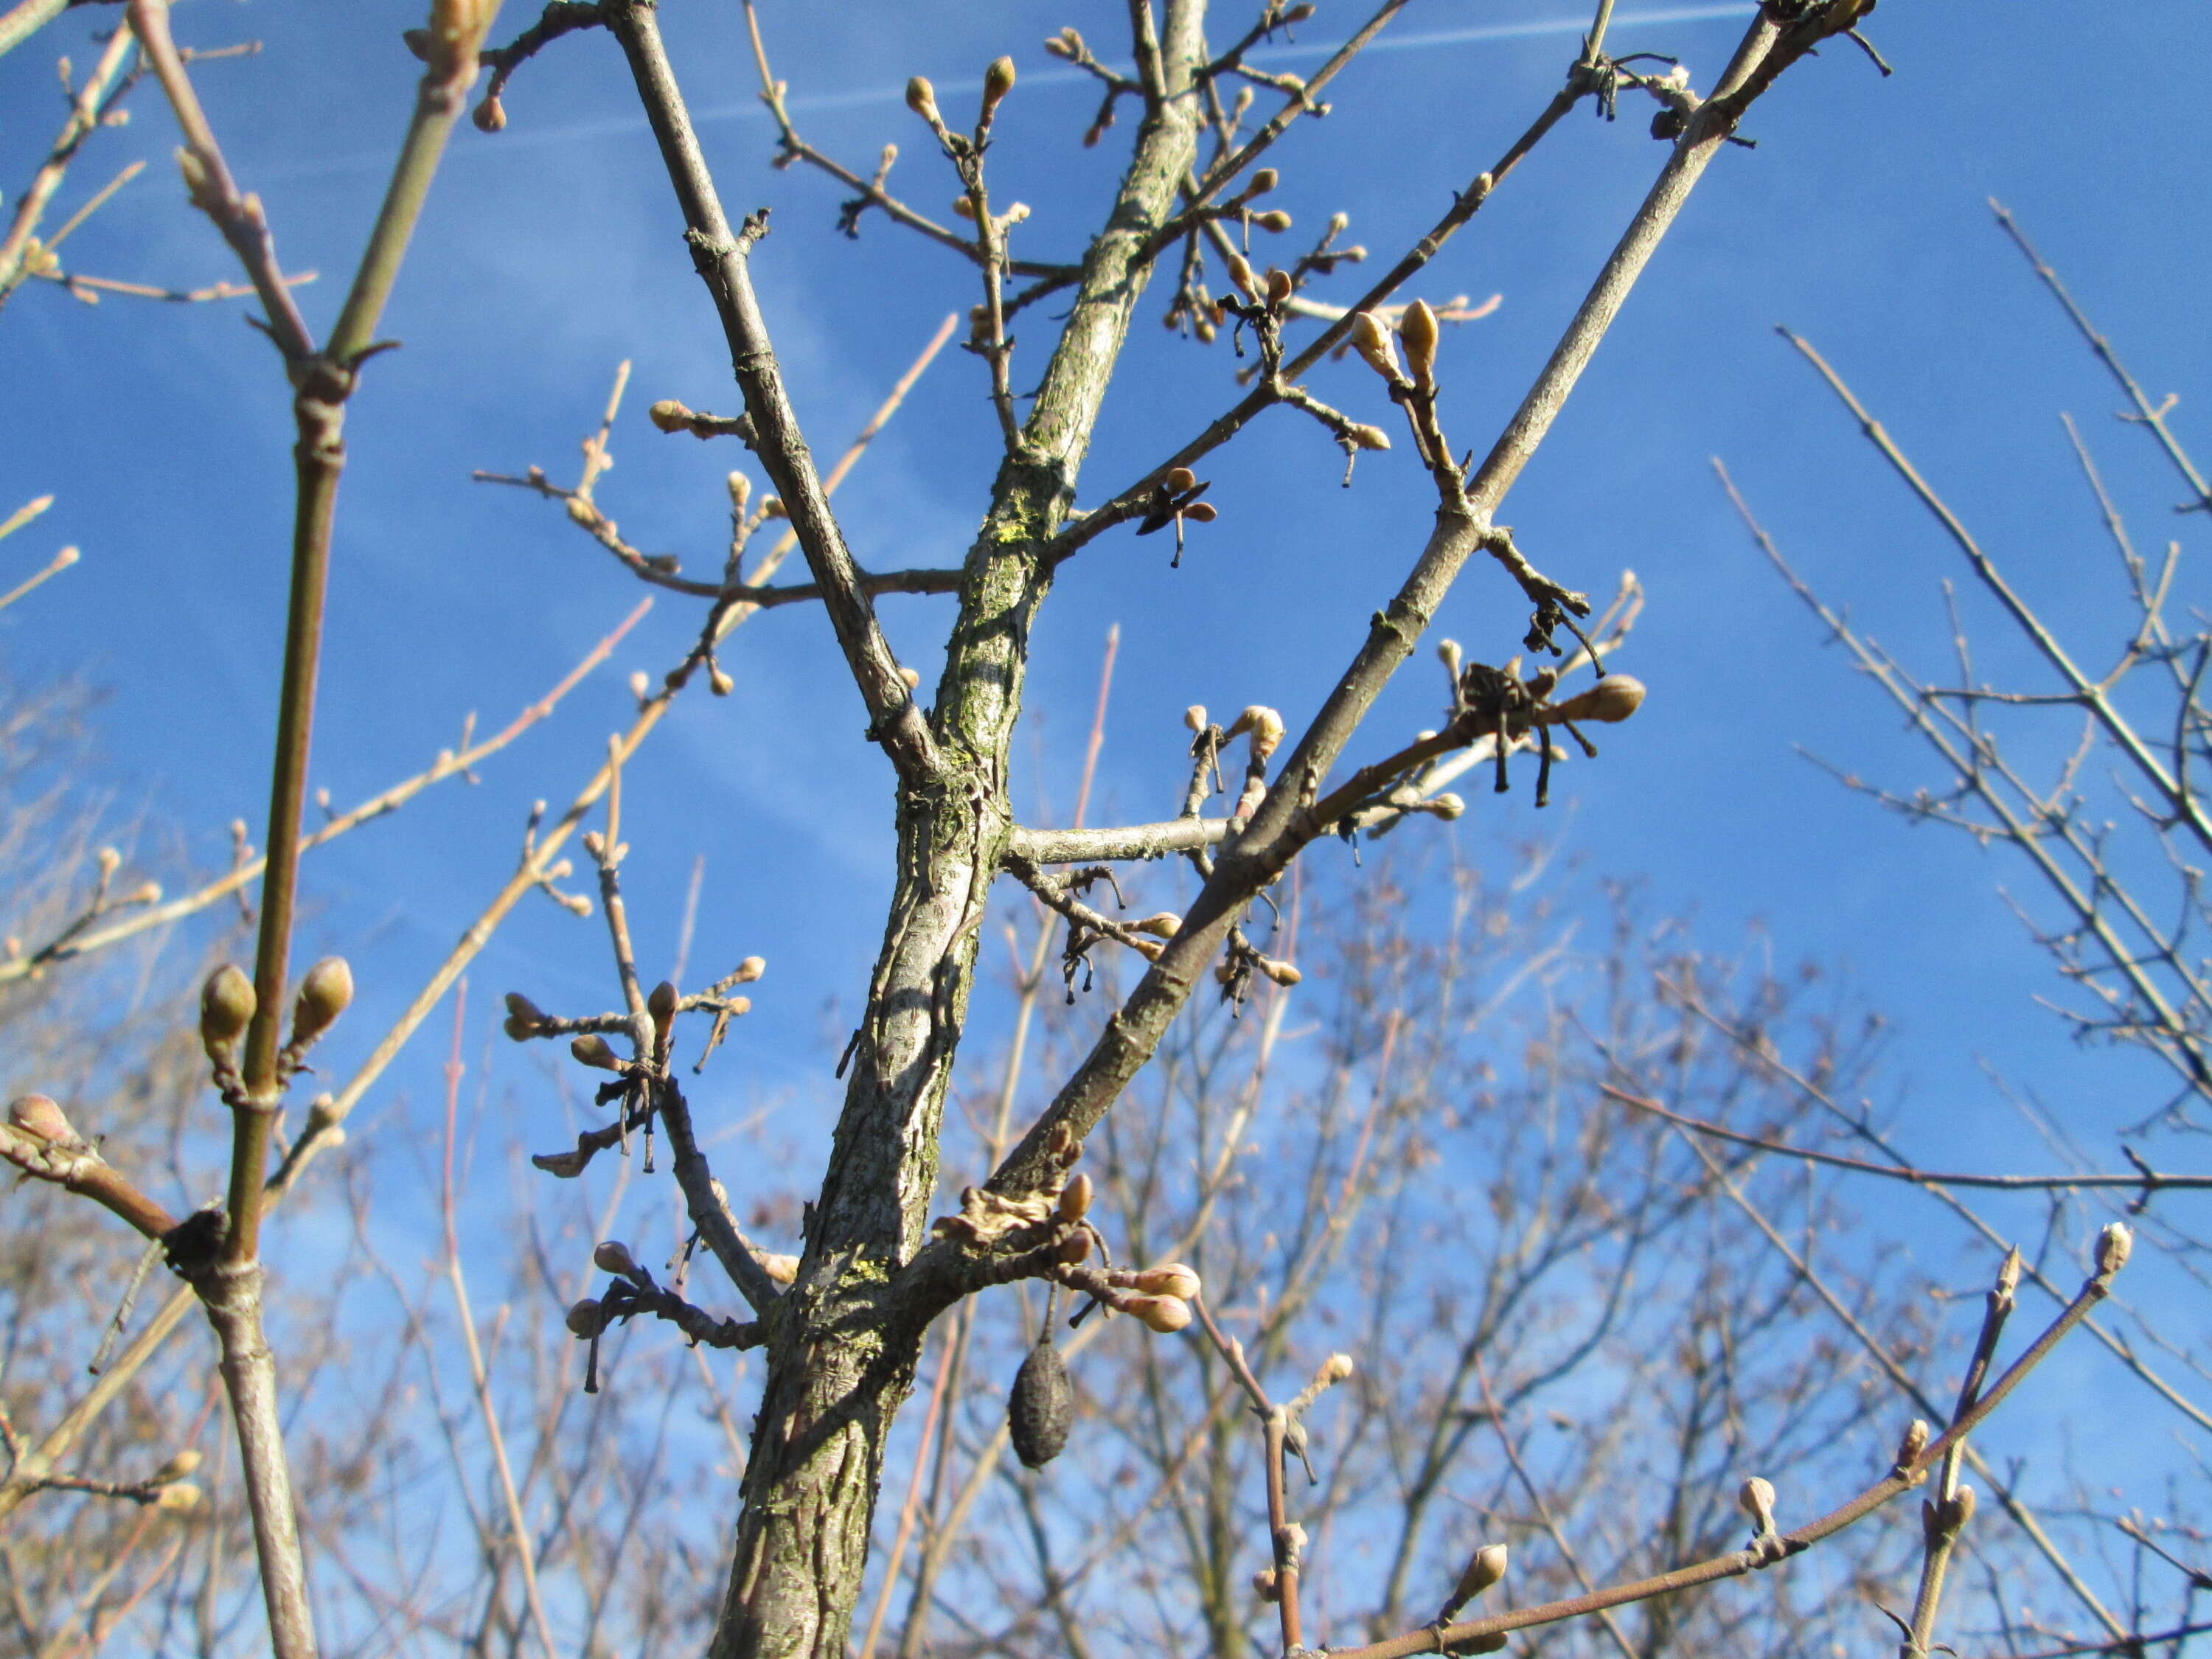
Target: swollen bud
pixel 750 970
pixel 324 995
pixel 588 1318
pixel 1485 1568
pixel 1075 1197
pixel 226 1006
pixel 1194 717
pixel 1756 1499
pixel 1274 218
pixel 1419 329
pixel 1367 437
pixel 490 116
pixel 997 82
pixel 1611 700
pixel 1372 340
pixel 592 1050
pixel 614 1257
pixel 1265 1587
pixel 1240 272
pixel 1262 181
pixel 1075 1249
pixel 2113 1245
pixel 921 99
pixel 175 1469
pixel 1040 1407
pixel 1169 1278
pixel 1164 1314
pixel 1914 1443
pixel 179 1498
pixel 1279 285
pixel 39 1117
pixel 661 1005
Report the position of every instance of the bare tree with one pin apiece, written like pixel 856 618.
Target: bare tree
pixel 839 1325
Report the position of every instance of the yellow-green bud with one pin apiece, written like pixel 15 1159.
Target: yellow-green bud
pixel 226 1006
pixel 921 99
pixel 997 82
pixel 1419 329
pixel 179 1498
pixel 176 1468
pixel 1371 339
pixel 590 1049
pixel 325 994
pixel 1274 218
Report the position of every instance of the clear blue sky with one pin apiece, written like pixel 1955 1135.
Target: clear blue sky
pixel 551 251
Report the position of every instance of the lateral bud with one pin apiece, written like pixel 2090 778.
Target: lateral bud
pixel 1910 1448
pixel 1419 330
pixel 226 1006
pixel 1485 1568
pixel 614 1257
pixel 324 994
pixel 1075 1197
pixel 593 1050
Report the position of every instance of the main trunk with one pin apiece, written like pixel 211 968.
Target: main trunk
pixel 842 1356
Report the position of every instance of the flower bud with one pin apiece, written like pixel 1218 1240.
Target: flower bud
pixel 1275 220
pixel 1075 1197
pixel 1179 479
pixel 911 678
pixel 1333 1369
pixel 1164 1314
pixel 669 415
pixel 324 995
pixel 226 1006
pixel 1915 1443
pixel 1960 1510
pixel 1067 43
pixel 1075 1249
pixel 997 82
pixel 750 970
pixel 2113 1245
pixel 965 209
pixel 588 1318
pixel 179 1498
pixel 1419 329
pixel 41 1118
pixel 1265 1587
pixel 1166 925
pixel 1262 181
pixel 1485 1568
pixel 1240 272
pixel 661 1005
pixel 1369 437
pixel 1756 1499
pixel 781 1268
pixel 1372 340
pixel 523 1016
pixel 1169 1278
pixel 741 490
pixel 1194 717
pixel 1281 972
pixel 490 116
pixel 1447 806
pixel 176 1468
pixel 614 1257
pixel 921 99
pixel 1611 700
pixel 1266 727
pixel 591 1049
pixel 1201 512
pixel 1279 285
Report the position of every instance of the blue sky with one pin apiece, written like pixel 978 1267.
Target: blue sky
pixel 551 253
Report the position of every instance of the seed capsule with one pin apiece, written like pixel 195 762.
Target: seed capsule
pixel 1040 1407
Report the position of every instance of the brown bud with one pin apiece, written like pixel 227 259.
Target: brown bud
pixel 1075 1197
pixel 1179 479
pixel 921 99
pixel 614 1257
pixel 1279 285
pixel 41 1118
pixel 591 1049
pixel 1164 1314
pixel 1613 699
pixel 490 116
pixel 661 1005
pixel 1201 512
pixel 719 681
pixel 997 82
pixel 417 42
pixel 1040 1407
pixel 1299 13
pixel 226 1006
pixel 1240 272
pixel 325 994
pixel 1075 1249
pixel 2113 1245
pixel 588 1318
pixel 523 1016
pixel 1419 329
pixel 1169 1278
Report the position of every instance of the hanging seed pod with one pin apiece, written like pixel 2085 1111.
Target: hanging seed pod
pixel 1041 1405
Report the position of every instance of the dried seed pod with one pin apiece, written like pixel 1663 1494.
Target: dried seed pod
pixel 591 1049
pixel 1075 1197
pixel 1164 1314
pixel 41 1118
pixel 1040 1407
pixel 1419 329
pixel 226 1006
pixel 324 994
pixel 1169 1278
pixel 588 1318
pixel 921 99
pixel 2113 1245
